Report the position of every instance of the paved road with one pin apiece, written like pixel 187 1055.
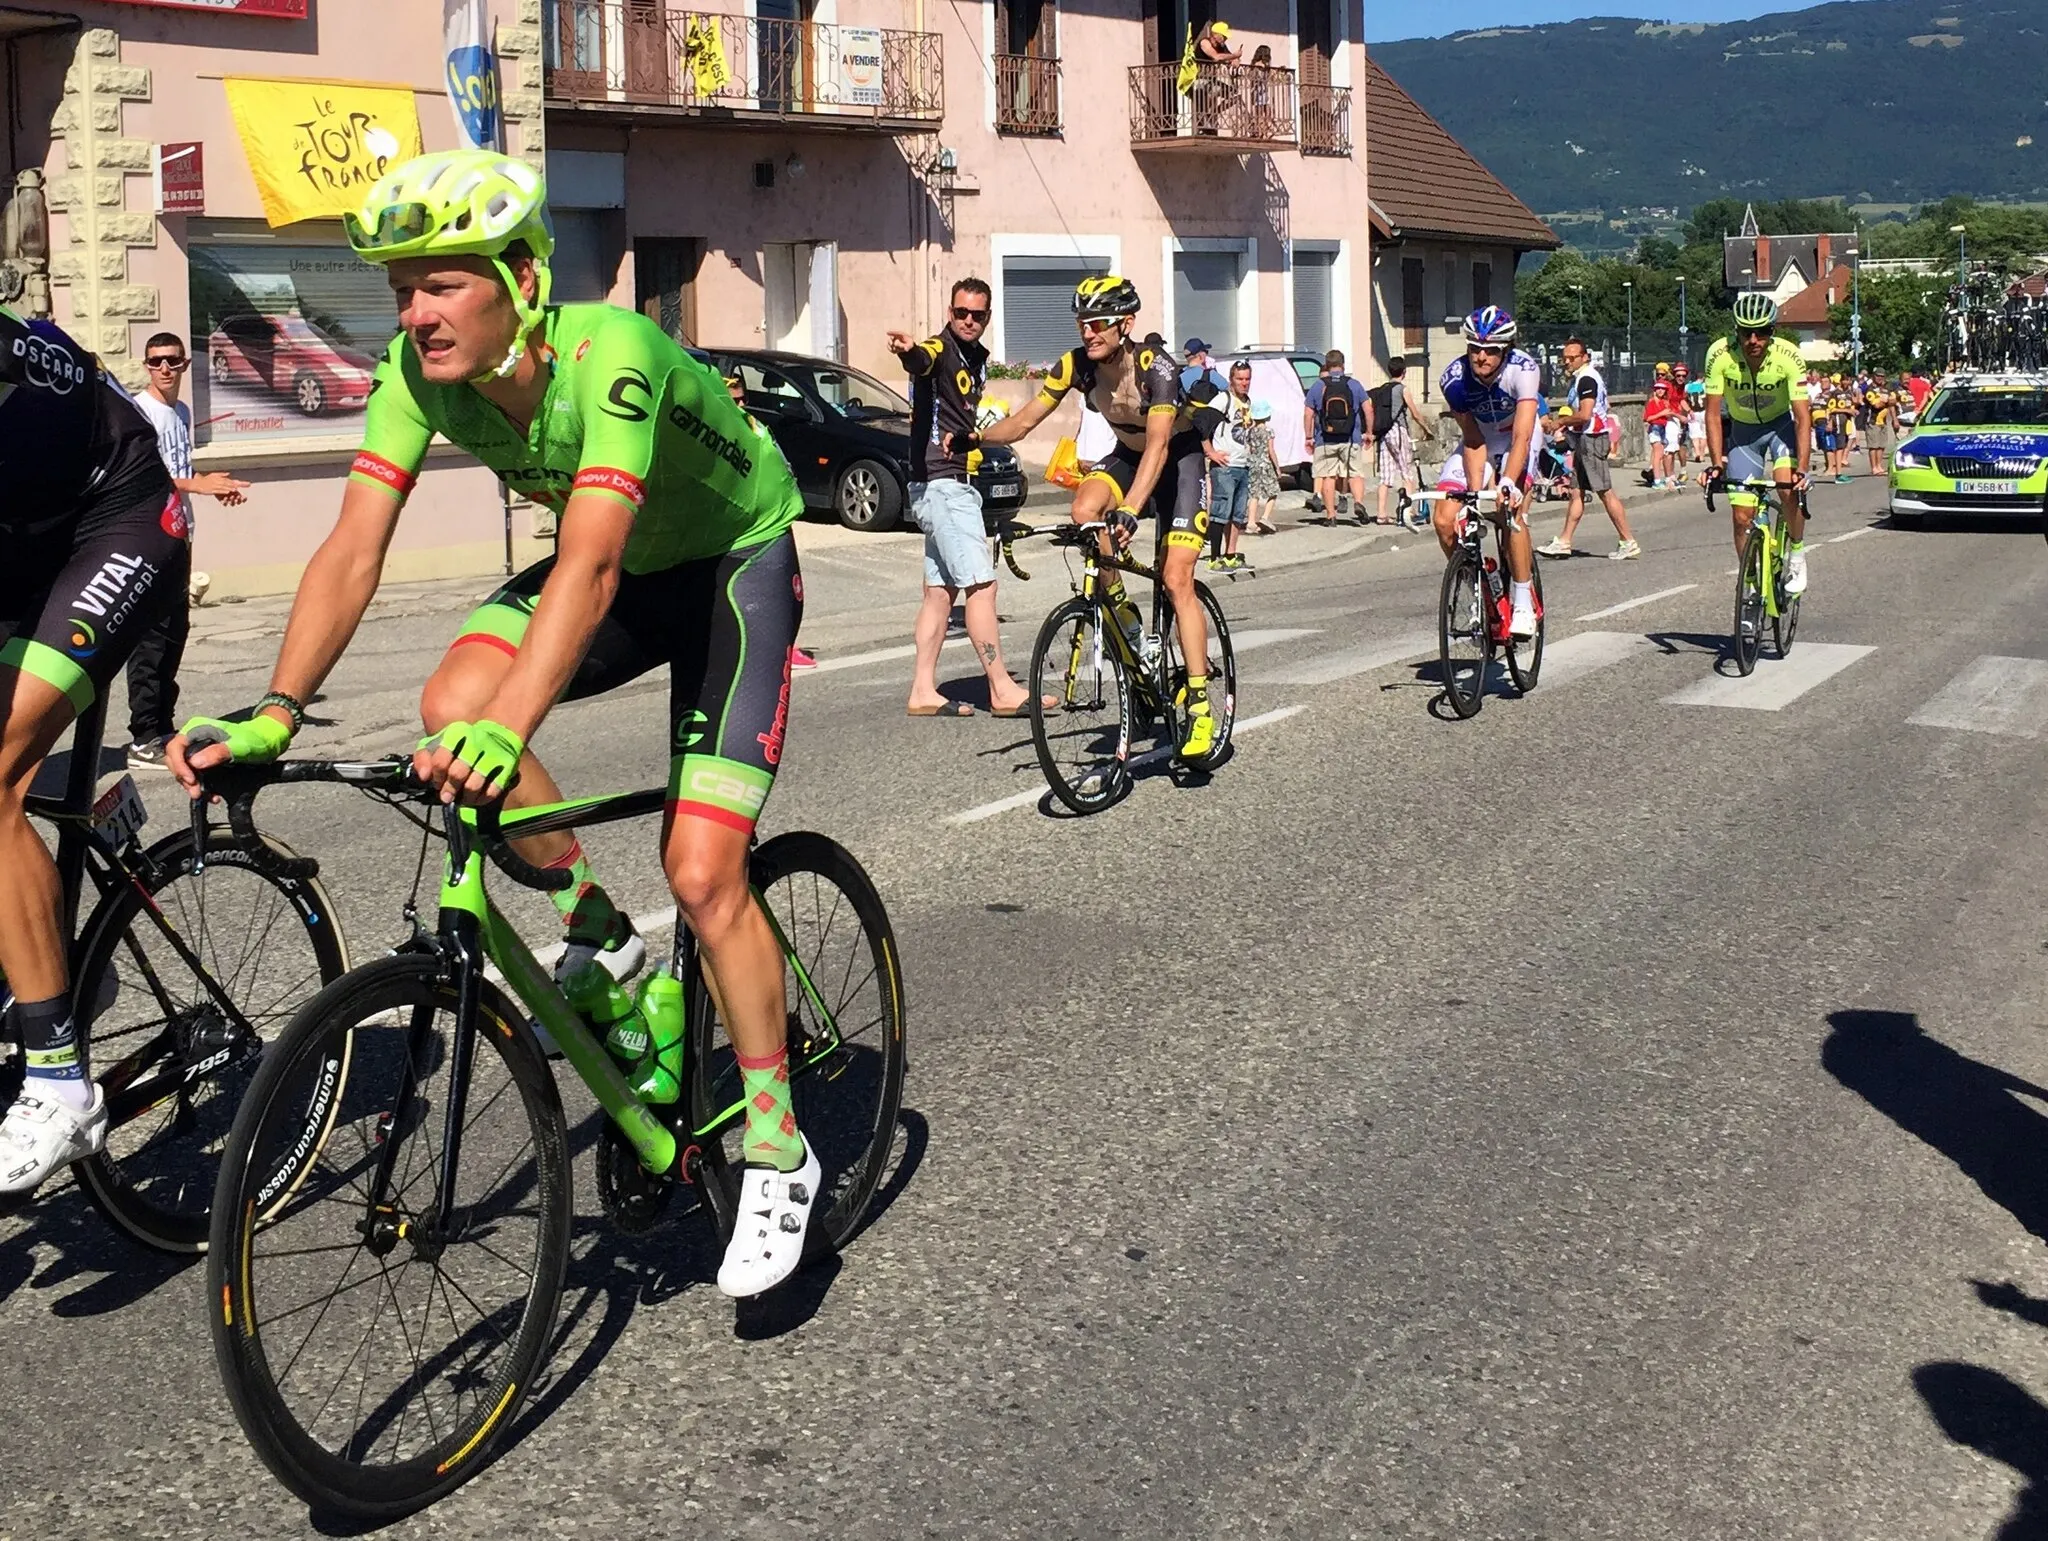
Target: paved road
pixel 1619 1115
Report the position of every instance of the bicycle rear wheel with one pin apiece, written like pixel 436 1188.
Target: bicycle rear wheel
pixel 1749 602
pixel 373 1347
pixel 1525 659
pixel 1464 632
pixel 1084 743
pixel 844 1027
pixel 1222 676
pixel 165 963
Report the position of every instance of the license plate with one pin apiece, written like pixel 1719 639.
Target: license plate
pixel 1990 489
pixel 118 815
pixel 1004 489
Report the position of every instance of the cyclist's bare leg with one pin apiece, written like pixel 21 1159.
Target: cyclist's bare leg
pixel 1521 554
pixel 1444 520
pixel 457 692
pixel 706 864
pixel 34 715
pixel 1177 577
pixel 1743 506
pixel 1788 499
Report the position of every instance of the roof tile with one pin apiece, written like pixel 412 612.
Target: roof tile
pixel 1423 182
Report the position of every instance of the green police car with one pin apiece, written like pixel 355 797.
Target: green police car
pixel 1980 450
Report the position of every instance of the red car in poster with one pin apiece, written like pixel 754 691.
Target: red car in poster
pixel 285 357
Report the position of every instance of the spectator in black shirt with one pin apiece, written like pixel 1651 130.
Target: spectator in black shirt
pixel 946 376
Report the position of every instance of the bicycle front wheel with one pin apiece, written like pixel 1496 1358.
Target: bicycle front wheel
pixel 844 1026
pixel 1525 659
pixel 1083 742
pixel 1749 602
pixel 377 1333
pixel 1221 674
pixel 184 974
pixel 1464 632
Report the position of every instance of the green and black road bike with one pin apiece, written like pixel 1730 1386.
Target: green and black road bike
pixel 1113 676
pixel 1760 592
pixel 389 1246
pixel 185 967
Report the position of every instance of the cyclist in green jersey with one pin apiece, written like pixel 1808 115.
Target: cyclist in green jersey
pixel 1759 378
pixel 674 548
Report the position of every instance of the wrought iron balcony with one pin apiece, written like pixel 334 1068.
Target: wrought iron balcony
pixel 1325 119
pixel 1027 95
pixel 1232 109
pixel 632 57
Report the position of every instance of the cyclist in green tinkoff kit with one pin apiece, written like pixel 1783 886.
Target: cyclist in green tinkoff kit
pixel 674 549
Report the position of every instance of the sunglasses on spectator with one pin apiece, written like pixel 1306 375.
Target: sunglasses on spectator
pixel 1094 326
pixel 169 361
pixel 962 313
pixel 1487 350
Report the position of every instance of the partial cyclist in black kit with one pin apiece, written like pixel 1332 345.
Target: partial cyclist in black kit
pixel 95 542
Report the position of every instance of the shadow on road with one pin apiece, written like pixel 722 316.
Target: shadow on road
pixel 108 1271
pixel 1970 1112
pixel 1999 1418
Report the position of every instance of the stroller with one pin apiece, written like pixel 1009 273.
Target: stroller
pixel 1552 471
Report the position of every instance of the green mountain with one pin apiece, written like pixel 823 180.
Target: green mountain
pixel 1871 101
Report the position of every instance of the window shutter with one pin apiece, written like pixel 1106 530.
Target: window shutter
pixel 1038 305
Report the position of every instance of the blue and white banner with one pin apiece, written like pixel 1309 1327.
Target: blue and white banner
pixel 472 67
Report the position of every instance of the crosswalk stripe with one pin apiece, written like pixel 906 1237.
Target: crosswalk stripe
pixel 1331 667
pixel 1836 540
pixel 1994 695
pixel 1586 652
pixel 1631 604
pixel 1777 682
pixel 1266 636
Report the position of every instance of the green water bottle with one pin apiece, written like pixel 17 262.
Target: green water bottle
pixel 660 1077
pixel 611 1012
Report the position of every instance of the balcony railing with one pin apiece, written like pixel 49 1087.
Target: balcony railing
pixel 1325 119
pixel 1232 108
pixel 641 53
pixel 1027 95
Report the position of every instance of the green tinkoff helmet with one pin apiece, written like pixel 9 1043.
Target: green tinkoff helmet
pixel 462 203
pixel 1756 310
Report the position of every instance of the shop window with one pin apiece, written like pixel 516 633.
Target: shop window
pixel 285 334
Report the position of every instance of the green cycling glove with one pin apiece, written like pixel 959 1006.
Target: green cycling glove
pixel 255 741
pixel 490 749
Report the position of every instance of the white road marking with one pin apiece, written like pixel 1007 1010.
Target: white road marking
pixel 1836 540
pixel 1630 604
pixel 1587 652
pixel 1331 667
pixel 1149 757
pixel 1245 641
pixel 1777 683
pixel 1994 695
pixel 855 660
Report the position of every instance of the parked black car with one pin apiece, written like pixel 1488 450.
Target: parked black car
pixel 846 435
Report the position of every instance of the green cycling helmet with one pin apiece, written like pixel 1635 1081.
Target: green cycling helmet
pixel 1755 311
pixel 462 203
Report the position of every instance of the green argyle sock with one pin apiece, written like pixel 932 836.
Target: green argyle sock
pixel 586 909
pixel 772 1139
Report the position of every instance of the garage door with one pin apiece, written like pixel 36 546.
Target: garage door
pixel 1312 328
pixel 1205 298
pixel 1038 308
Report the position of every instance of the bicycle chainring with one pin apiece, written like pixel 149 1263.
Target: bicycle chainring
pixel 634 1198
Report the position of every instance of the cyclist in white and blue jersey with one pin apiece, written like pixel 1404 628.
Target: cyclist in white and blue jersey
pixel 1494 392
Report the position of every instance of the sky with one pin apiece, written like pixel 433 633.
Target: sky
pixel 1388 20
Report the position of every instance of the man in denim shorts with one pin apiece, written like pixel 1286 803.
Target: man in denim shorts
pixel 946 376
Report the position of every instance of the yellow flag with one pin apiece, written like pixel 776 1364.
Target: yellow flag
pixel 1185 82
pixel 316 146
pixel 705 54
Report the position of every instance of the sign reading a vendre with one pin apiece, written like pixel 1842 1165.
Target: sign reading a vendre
pixel 287 10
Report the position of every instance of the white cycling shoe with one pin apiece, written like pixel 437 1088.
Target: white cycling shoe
pixel 40 1135
pixel 1795 572
pixel 1522 622
pixel 768 1238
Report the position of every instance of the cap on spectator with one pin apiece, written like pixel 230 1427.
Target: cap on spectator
pixel 1681 369
pixel 1663 369
pixel 1220 28
pixel 1261 410
pixel 1194 345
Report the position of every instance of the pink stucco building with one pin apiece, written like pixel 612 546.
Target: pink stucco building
pixel 774 173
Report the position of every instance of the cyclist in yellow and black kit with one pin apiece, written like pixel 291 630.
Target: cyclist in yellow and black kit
pixel 1758 379
pixel 1158 452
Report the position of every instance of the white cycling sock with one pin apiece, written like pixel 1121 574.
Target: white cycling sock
pixel 1520 594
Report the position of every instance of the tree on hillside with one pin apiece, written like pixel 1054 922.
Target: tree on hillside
pixel 2011 238
pixel 1719 217
pixel 1901 314
pixel 1654 251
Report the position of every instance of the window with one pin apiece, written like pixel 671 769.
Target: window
pixel 859 395
pixel 1314 290
pixel 1027 67
pixel 1316 33
pixel 1038 311
pixel 1414 310
pixel 1482 285
pixel 1205 290
pixel 589 244
pixel 285 334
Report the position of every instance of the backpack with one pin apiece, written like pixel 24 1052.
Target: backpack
pixel 1337 413
pixel 1382 398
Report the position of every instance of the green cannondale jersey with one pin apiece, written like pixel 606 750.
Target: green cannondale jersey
pixel 628 415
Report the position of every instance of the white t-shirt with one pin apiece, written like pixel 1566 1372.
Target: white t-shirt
pixel 173 425
pixel 1229 436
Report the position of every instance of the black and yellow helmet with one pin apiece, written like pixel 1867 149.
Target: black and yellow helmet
pixel 1107 294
